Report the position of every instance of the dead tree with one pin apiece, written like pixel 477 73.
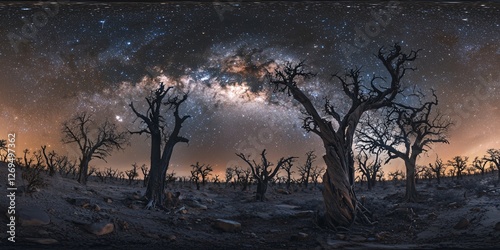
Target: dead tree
pixel 405 133
pixel 229 175
pixel 458 163
pixel 156 127
pixel 3 150
pixel 494 157
pixel 479 164
pixel 131 174
pixel 438 168
pixel 243 176
pixel 201 172
pixel 369 169
pixel 50 160
pixel 396 174
pixel 305 170
pixel 419 172
pixel 263 172
pixel 145 174
pixel 93 140
pixel 288 169
pixel 337 133
pixel 170 178
pixel 316 172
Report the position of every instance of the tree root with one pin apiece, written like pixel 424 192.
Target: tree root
pixel 150 205
pixel 363 215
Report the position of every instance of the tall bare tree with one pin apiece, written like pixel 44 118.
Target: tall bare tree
pixel 156 127
pixel 50 160
pixel 341 204
pixel 132 173
pixel 479 164
pixel 405 133
pixel 262 172
pixel 93 140
pixel 438 168
pixel 459 163
pixel 369 168
pixel 494 157
pixel 288 170
pixel 3 150
pixel 316 172
pixel 305 170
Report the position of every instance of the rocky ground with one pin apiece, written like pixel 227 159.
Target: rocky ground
pixel 65 215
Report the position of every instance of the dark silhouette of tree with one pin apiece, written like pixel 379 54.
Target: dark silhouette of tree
pixel 262 172
pixel 369 169
pixel 479 164
pixel 243 177
pixel 145 173
pixel 395 176
pixel 3 149
pixel 93 140
pixel 438 168
pixel 200 172
pixel 288 170
pixel 405 133
pixel 229 175
pixel 132 174
pixel 305 170
pixel 341 205
pixel 316 172
pixel 459 163
pixel 50 160
pixel 156 127
pixel 494 157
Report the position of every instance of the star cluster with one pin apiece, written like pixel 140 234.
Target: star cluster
pixel 58 59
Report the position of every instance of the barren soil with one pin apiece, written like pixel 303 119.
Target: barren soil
pixel 285 221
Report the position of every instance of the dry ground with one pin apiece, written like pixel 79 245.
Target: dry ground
pixel 285 221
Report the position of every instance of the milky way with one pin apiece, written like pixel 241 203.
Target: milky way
pixel 59 59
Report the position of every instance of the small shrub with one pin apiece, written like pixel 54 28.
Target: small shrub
pixel 33 177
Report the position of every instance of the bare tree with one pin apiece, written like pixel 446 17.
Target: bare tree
pixel 132 174
pixel 94 140
pixel 459 163
pixel 305 170
pixel 337 134
pixel 170 178
pixel 50 160
pixel 288 169
pixel 3 150
pixel 262 172
pixel 395 176
pixel 145 174
pixel 494 157
pixel 405 133
pixel 156 128
pixel 316 172
pixel 479 164
pixel 229 175
pixel 438 168
pixel 369 169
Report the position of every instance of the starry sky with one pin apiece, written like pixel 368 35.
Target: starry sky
pixel 62 58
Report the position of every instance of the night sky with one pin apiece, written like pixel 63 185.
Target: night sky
pixel 100 57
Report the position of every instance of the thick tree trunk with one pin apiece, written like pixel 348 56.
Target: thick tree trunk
pixel 154 183
pixel 411 191
pixel 83 170
pixel 261 190
pixel 338 194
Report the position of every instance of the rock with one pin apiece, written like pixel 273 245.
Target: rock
pixel 305 213
pixel 497 226
pixel 382 235
pixel 452 205
pixel 108 200
pixel 432 216
pixel 285 206
pixel 475 209
pixel 171 237
pixel 101 228
pixel 282 191
pixel 43 232
pixel 97 208
pixel 43 241
pixel 340 236
pixel 133 207
pixel 33 216
pixel 227 225
pixel 299 236
pixel 80 201
pixel 462 224
pixel 153 236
